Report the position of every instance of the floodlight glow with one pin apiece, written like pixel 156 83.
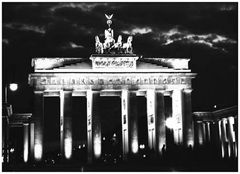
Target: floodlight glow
pixel 97 146
pixel 190 143
pixel 68 147
pixel 25 150
pixel 200 140
pixel 171 123
pixel 38 152
pixel 222 150
pixel 13 86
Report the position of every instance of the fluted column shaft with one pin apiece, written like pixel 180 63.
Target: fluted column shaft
pixel 38 125
pixel 188 127
pixel 67 126
pixel 25 142
pixel 125 120
pixel 160 123
pixel 93 126
pixel 133 122
pixel 151 118
pixel 177 114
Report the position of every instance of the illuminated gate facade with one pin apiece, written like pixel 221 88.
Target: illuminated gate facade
pixel 126 76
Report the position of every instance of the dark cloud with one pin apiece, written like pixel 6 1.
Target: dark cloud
pixel 25 27
pixel 205 32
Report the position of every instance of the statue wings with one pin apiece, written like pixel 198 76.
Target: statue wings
pixel 109 17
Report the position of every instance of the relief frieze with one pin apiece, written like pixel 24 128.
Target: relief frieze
pixel 112 80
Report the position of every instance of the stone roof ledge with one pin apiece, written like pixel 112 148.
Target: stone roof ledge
pixel 175 63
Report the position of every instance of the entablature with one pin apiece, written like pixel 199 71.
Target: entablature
pixel 69 81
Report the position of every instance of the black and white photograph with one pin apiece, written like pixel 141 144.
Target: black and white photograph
pixel 119 86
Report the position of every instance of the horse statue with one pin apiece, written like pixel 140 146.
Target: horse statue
pixel 127 47
pixel 98 45
pixel 118 44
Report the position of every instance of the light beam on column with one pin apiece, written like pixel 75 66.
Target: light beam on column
pixel 221 138
pixel 231 135
pixel 61 122
pixel 224 134
pixel 93 126
pixel 133 122
pixel 67 124
pixel 89 125
pixel 200 132
pixel 204 132
pixel 97 145
pixel 25 141
pixel 160 122
pixel 188 127
pixel 38 128
pixel 208 131
pixel 31 141
pixel 124 108
pixel 151 116
pixel 96 126
pixel 68 138
pixel 177 114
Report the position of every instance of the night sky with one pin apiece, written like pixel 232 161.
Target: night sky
pixel 204 32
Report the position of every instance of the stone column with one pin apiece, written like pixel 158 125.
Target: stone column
pixel 231 135
pixel 32 141
pixel 89 125
pixel 5 138
pixel 61 122
pixel 67 127
pixel 96 127
pixel 151 116
pixel 224 137
pixel 133 123
pixel 188 128
pixel 200 133
pixel 221 138
pixel 204 132
pixel 160 123
pixel 177 114
pixel 93 126
pixel 25 142
pixel 125 115
pixel 215 139
pixel 235 128
pixel 38 117
pixel 208 131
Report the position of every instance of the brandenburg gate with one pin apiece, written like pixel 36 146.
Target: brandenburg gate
pixel 114 70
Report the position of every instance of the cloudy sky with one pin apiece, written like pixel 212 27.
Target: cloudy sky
pixel 205 32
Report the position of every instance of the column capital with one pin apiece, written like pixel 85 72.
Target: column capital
pixel 141 92
pixel 67 92
pixel 187 90
pixel 80 93
pixel 160 91
pixel 38 92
